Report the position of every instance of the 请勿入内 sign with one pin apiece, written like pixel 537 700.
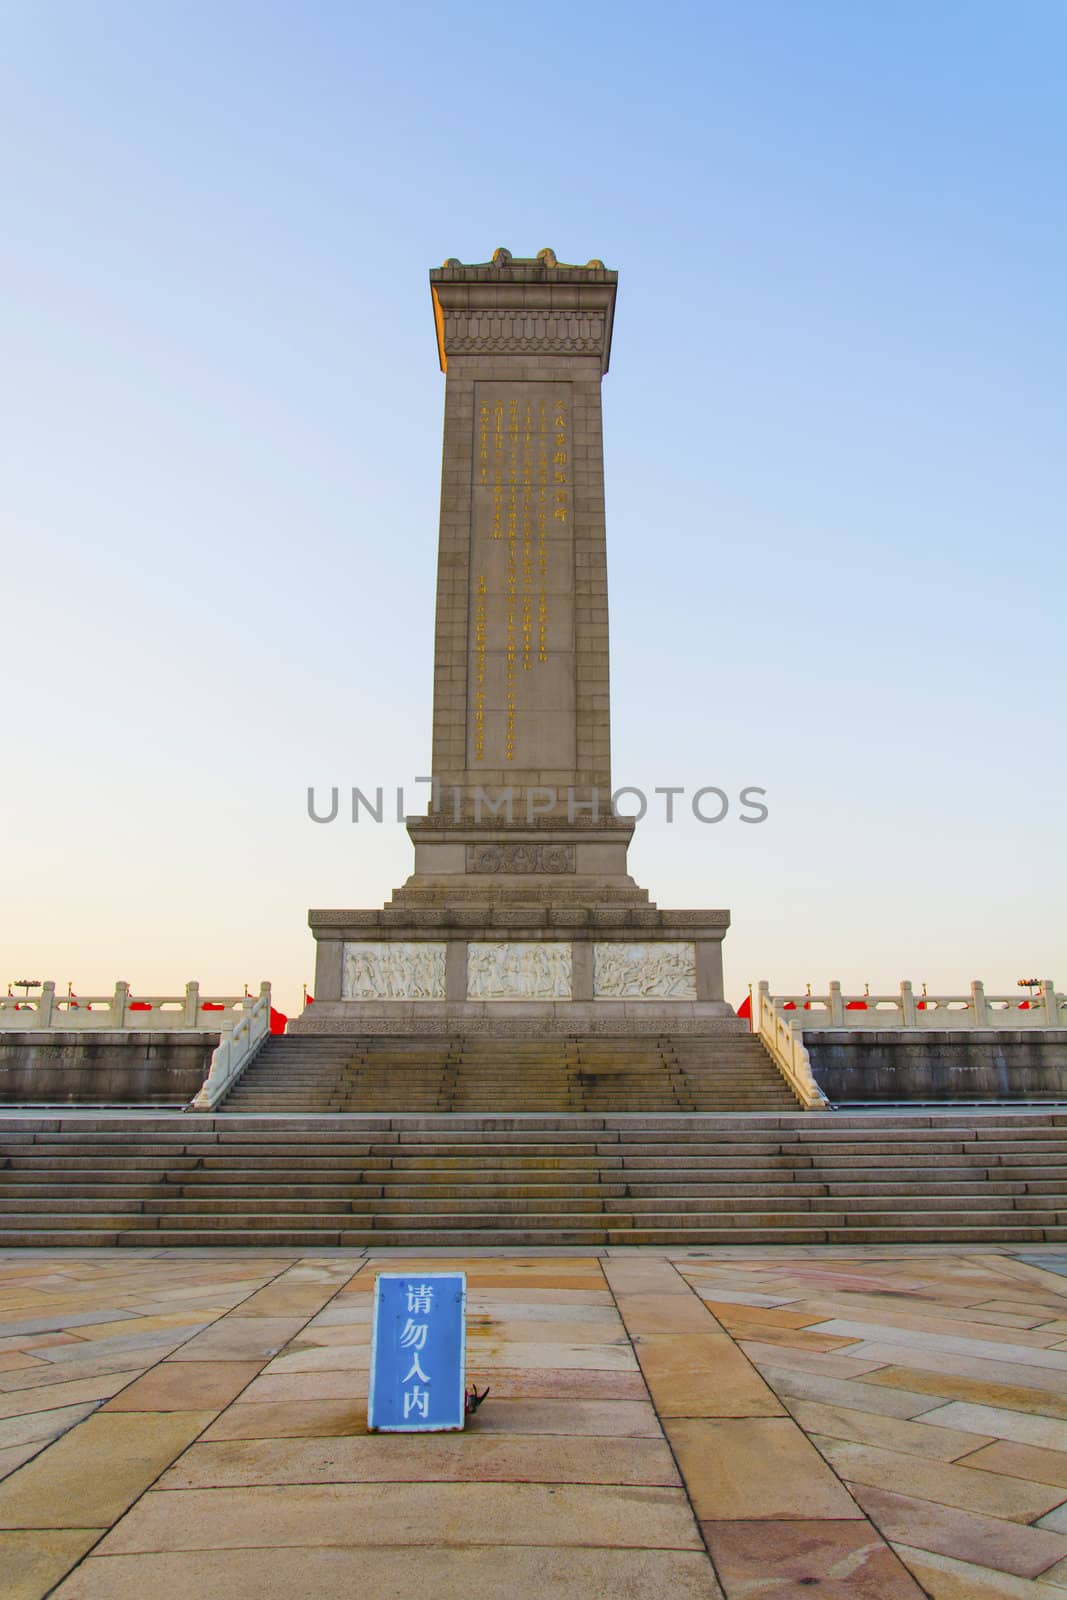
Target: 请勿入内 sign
pixel 418 1352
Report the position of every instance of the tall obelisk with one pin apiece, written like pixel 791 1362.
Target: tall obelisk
pixel 520 915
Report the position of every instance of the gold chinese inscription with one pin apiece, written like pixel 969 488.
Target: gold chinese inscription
pixel 479 671
pixel 522 508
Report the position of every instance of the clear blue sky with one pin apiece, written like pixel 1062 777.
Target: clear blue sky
pixel 835 451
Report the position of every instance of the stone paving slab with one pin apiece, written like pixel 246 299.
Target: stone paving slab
pixel 778 1560
pixel 32 1560
pixel 436 1458
pixel 863 1423
pixel 387 1513
pixel 495 1573
pixel 97 1470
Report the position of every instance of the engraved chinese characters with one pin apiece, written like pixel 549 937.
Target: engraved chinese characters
pixel 401 971
pixel 527 971
pixel 521 661
pixel 418 1366
pixel 644 971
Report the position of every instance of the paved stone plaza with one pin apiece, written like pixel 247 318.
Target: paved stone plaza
pixel 880 1422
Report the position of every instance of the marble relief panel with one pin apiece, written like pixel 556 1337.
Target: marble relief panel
pixel 520 971
pixel 644 971
pixel 393 971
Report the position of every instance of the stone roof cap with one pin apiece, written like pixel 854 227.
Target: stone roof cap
pixel 504 260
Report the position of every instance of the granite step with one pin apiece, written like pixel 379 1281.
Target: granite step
pixel 396 1073
pixel 305 1181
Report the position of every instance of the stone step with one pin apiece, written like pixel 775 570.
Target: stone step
pixel 630 1083
pixel 525 1074
pixel 501 1180
pixel 409 1075
pixel 459 1238
pixel 974 1223
pixel 171 1167
pixel 383 1146
pixel 386 1133
pixel 432 1215
pixel 957 1122
pixel 682 1197
pixel 1021 1210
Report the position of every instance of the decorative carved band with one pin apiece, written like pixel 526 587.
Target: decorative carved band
pixel 505 347
pixel 520 322
pixel 514 331
pixel 520 858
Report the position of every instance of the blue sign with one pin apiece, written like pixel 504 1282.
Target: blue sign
pixel 418 1352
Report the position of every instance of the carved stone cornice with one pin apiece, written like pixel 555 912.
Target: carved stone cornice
pixel 491 828
pixel 523 307
pixel 482 921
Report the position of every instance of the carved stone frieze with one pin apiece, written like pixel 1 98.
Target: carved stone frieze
pixel 644 971
pixel 394 971
pixel 552 858
pixel 526 971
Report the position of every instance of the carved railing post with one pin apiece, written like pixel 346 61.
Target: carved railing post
pixel 837 1005
pixel 46 1005
pixel 192 1004
pixel 978 1002
pixel 1051 1005
pixel 119 1005
pixel 763 1000
pixel 907 1005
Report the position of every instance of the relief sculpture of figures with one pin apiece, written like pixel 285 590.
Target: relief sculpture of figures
pixel 519 971
pixel 645 971
pixel 394 972
pixel 520 858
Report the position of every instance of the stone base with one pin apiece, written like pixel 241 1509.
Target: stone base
pixel 534 929
pixel 591 969
pixel 521 1019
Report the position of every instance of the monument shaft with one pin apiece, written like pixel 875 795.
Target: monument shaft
pixel 521 665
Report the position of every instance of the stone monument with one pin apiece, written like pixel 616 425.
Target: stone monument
pixel 521 916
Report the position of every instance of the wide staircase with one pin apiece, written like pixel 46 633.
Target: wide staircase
pixel 302 1073
pixel 314 1182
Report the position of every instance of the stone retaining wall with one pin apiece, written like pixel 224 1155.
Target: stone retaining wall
pixel 103 1068
pixel 986 1064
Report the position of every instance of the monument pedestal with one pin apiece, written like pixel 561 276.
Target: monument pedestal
pixel 521 915
pixel 491 939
